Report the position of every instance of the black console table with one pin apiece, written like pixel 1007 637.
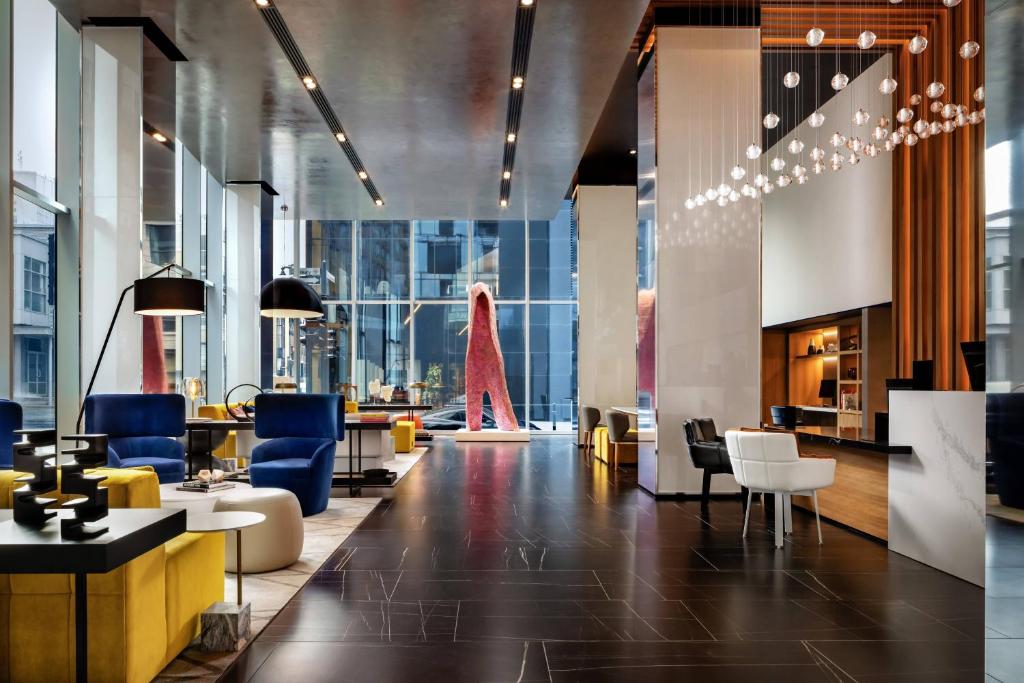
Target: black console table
pixel 131 533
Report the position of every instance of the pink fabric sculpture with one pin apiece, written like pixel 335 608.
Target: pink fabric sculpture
pixel 485 366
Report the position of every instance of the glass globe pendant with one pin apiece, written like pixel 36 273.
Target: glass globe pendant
pixel 970 50
pixel 948 126
pixel 917 44
pixel 961 120
pixel 887 86
pixel 784 180
pixel 840 81
pixel 950 3
pixel 690 203
pixel 866 39
pixel 910 140
pixel 799 171
pixel 920 126
pixel 734 196
pixel 854 144
pixel 816 119
pixel 935 89
pixel 934 128
pixel 905 115
pixel 768 188
pixel 700 199
pixel 915 100
pixel 871 151
pixel 925 134
pixel 815 36
pixel 861 117
pixel 979 94
pixel 888 145
pixel 771 119
pixel 737 172
pixel 778 163
pixel 935 106
pixel 760 179
pixel 853 159
pixel 817 153
pixel 836 162
pixel 880 133
pixel 896 137
pixel 711 194
pixel 791 79
pixel 818 168
pixel 795 146
pixel 753 151
pixel 949 111
pixel 883 121
pixel 802 180
pixel 747 190
pixel 723 190
pixel 723 200
pixel 975 117
pixel 837 139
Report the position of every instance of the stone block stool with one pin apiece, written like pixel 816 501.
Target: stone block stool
pixel 274 543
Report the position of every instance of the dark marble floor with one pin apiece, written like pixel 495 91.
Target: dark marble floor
pixel 520 562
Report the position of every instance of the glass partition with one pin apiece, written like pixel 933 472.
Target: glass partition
pixel 383 260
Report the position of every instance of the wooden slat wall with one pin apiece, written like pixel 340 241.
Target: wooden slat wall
pixel 938 209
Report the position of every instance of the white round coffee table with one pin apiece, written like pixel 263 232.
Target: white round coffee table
pixel 195 502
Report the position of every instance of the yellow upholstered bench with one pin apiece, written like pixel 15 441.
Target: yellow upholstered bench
pixel 141 615
pixel 627 451
pixel 404 432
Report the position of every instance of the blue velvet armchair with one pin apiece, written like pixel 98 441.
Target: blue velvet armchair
pixel 299 456
pixel 142 430
pixel 10 420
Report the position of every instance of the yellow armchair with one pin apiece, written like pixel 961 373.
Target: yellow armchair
pixel 219 411
pixel 141 615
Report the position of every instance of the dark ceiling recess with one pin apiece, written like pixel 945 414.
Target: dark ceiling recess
pixel 275 22
pixel 150 31
pixel 608 159
pixel 264 185
pixel 520 61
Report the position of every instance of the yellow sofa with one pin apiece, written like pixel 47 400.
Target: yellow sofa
pixel 627 451
pixel 219 411
pixel 141 615
pixel 404 433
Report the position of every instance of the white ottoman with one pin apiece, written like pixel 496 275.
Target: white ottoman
pixel 274 543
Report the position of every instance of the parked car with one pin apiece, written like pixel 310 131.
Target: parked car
pixel 454 417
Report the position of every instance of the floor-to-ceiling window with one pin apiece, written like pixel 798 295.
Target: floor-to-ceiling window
pixel 396 308
pixel 34 158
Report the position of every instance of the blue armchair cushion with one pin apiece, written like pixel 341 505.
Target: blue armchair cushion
pixel 123 415
pixel 168 470
pixel 304 466
pixel 10 420
pixel 319 416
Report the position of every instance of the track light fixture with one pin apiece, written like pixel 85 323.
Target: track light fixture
pixel 522 38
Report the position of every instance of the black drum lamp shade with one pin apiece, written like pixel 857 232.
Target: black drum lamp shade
pixel 290 297
pixel 170 296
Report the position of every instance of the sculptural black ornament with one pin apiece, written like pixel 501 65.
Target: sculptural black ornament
pixel 36 455
pixel 74 480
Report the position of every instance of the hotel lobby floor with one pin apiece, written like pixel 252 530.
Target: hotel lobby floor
pixel 519 562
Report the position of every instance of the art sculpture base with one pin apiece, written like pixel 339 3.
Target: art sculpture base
pixel 491 435
pixel 225 627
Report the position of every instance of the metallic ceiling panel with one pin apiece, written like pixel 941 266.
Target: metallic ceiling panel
pixel 420 87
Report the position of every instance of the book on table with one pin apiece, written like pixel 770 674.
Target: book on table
pixel 205 487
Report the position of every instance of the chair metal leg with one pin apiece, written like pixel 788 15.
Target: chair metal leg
pixel 705 490
pixel 746 516
pixel 778 520
pixel 817 517
pixel 787 510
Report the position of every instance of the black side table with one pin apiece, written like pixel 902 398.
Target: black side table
pixel 131 533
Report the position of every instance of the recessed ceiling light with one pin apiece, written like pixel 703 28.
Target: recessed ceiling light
pixel 363 175
pixel 159 137
pixel 517 82
pixel 309 82
pixel 506 175
pixel 263 3
pixel 526 3
pixel 511 137
pixel 503 203
pixel 633 152
pixel 378 202
pixel 340 137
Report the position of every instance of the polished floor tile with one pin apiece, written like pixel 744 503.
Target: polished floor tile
pixel 523 562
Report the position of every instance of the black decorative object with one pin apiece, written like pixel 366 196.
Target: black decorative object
pixel 851 373
pixel 74 480
pixel 924 375
pixel 810 348
pixel 35 454
pixel 974 361
pixel 155 296
pixel 246 410
pixel 290 297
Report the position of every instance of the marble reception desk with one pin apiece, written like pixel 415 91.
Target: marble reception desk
pixel 937 494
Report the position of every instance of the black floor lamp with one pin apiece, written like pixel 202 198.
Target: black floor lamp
pixel 163 296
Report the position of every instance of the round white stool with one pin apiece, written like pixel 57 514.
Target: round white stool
pixel 272 544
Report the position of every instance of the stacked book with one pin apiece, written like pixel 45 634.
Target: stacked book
pixel 374 417
pixel 204 486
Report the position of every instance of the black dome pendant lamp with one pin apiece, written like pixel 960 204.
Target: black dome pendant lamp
pixel 286 296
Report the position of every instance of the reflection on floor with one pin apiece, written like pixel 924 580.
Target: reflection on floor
pixel 1004 601
pixel 516 562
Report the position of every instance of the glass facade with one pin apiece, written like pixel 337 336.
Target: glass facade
pixel 406 320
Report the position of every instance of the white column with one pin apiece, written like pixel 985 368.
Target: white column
pixel 606 355
pixel 708 316
pixel 111 202
pixel 191 238
pixel 215 296
pixel 242 329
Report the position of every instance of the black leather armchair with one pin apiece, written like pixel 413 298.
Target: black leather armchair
pixel 707 451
